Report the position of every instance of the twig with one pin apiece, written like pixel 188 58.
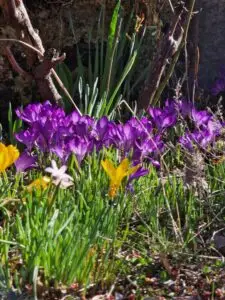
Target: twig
pixel 176 56
pixel 15 65
pixel 193 54
pixel 21 21
pixel 170 49
pixel 112 288
pixel 25 44
pixel 62 86
pixel 132 282
pixel 16 15
pixel 201 256
pixel 171 6
pixel 219 253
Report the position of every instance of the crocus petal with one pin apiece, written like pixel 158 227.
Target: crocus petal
pixel 3 157
pixel 138 173
pixel 122 171
pixel 8 155
pixel 58 175
pixel 24 162
pixel 49 170
pixel 13 153
pixel 109 168
pixel 39 184
pixel 54 165
pixel 62 170
pixel 132 170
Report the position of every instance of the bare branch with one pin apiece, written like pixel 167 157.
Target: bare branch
pixel 168 48
pixel 15 65
pixel 168 54
pixel 44 68
pixel 53 72
pixel 171 6
pixel 17 17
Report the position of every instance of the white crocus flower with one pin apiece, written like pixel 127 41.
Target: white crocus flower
pixel 59 177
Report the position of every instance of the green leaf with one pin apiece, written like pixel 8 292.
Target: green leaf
pixel 123 77
pixel 110 46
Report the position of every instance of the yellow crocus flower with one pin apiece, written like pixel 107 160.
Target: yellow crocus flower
pixel 8 155
pixel 116 175
pixel 39 184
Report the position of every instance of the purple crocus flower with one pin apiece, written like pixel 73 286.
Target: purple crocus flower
pixel 45 134
pixel 123 137
pixel 74 117
pixel 40 113
pixel 150 145
pixel 25 161
pixel 186 141
pixel 127 133
pixel 80 147
pixel 84 126
pixel 184 108
pixel 100 128
pixel 139 173
pixel 154 161
pixel 163 118
pixel 147 148
pixel 203 138
pixel 27 137
pixel 199 138
pixel 44 120
pixel 142 127
pixel 30 114
pixel 145 129
pixel 168 121
pixel 103 133
pixel 201 117
pixel 171 106
pixel 61 149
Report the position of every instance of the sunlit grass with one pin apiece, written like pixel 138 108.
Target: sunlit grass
pixel 61 236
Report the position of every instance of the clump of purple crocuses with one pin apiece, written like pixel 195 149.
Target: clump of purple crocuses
pixel 50 130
